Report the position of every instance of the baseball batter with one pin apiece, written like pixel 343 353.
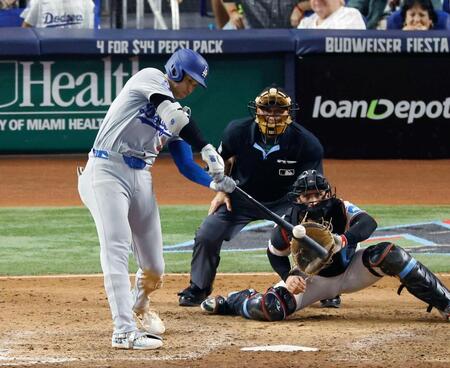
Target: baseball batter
pixel 265 153
pixel 116 186
pixel 350 270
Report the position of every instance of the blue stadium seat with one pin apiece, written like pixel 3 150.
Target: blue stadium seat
pixel 446 6
pixel 395 21
pixel 11 17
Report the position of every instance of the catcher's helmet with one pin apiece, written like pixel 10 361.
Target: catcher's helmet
pixel 187 61
pixel 309 180
pixel 273 111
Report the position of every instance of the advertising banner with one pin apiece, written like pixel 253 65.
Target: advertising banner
pixel 376 106
pixel 57 104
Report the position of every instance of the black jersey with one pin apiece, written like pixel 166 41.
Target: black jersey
pixel 268 172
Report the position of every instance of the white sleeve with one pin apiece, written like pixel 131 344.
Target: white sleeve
pixel 151 81
pixel 280 253
pixel 89 11
pixel 352 20
pixel 306 22
pixel 31 14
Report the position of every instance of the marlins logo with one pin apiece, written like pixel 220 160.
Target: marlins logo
pixel 205 72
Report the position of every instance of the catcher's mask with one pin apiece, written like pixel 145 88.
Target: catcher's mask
pixel 310 181
pixel 273 111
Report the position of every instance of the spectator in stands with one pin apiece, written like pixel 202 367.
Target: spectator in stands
pixel 59 14
pixel 259 14
pixel 418 15
pixel 395 5
pixel 372 10
pixel 332 14
pixel 301 9
pixel 220 13
pixel 7 4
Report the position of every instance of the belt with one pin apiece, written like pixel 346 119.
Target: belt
pixel 133 162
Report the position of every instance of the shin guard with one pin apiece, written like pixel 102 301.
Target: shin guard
pixel 393 260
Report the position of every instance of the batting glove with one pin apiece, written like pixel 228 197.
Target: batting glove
pixel 214 162
pixel 226 185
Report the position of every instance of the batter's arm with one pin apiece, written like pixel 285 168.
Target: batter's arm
pixel 170 110
pixel 184 159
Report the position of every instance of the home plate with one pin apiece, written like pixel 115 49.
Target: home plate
pixel 279 348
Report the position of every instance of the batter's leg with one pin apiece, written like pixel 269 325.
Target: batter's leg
pixel 108 201
pixel 146 241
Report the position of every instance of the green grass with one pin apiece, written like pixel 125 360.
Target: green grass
pixel 398 215
pixel 35 241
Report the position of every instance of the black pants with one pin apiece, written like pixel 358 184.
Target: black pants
pixel 220 226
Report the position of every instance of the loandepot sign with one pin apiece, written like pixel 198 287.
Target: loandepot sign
pixel 60 95
pixel 379 109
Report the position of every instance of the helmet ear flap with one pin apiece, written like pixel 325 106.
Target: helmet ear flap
pixel 175 73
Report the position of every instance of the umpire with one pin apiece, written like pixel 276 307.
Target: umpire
pixel 265 154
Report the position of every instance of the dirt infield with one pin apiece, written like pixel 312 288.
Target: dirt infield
pixel 51 181
pixel 65 321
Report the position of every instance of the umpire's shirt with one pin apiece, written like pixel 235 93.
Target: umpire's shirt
pixel 267 173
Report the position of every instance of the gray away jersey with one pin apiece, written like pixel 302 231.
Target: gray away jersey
pixel 132 126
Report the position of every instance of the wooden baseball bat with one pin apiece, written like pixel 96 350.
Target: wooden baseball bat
pixel 312 244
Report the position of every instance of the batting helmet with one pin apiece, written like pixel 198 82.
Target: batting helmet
pixel 309 180
pixel 187 61
pixel 273 111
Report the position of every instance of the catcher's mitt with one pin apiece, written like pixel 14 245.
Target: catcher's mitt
pixel 306 260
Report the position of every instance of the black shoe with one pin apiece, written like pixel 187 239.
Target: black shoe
pixel 193 296
pixel 331 303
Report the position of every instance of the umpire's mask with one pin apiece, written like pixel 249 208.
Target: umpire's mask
pixel 273 111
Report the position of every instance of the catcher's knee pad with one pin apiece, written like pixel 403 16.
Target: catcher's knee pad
pixel 392 260
pixel 274 305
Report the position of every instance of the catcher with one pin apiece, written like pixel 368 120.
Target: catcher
pixel 338 226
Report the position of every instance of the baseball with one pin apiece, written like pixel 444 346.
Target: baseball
pixel 299 231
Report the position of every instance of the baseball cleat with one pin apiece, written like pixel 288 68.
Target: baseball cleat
pixel 192 296
pixel 331 303
pixel 212 304
pixel 445 314
pixel 136 340
pixel 150 322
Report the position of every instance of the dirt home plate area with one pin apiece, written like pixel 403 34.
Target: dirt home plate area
pixel 64 321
